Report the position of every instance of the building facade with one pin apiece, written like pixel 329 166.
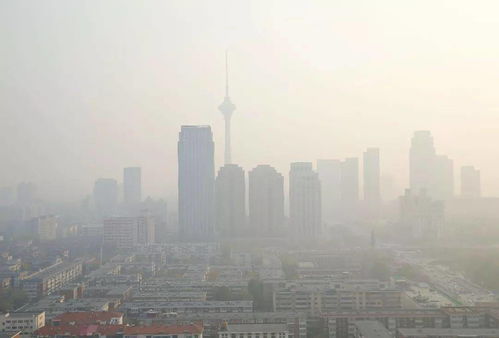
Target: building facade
pixel 230 197
pixel 196 183
pixel 266 201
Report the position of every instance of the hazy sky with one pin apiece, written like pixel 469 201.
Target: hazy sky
pixel 89 87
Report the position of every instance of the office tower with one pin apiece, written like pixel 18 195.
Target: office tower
pixel 350 189
pixel 132 186
pixel 120 232
pixel 266 200
pixel 196 180
pixel 421 218
pixel 146 228
pixel 45 227
pixel 422 163
pixel 26 193
pixel 230 200
pixel 330 176
pixel 227 109
pixel 443 187
pixel 304 200
pixel 372 193
pixel 105 196
pixel 470 182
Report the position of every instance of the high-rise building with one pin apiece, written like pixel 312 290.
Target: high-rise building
pixel 422 162
pixel 330 176
pixel 196 180
pixel 266 200
pixel 132 186
pixel 421 217
pixel 470 182
pixel 372 193
pixel 443 187
pixel 127 232
pixel 227 109
pixel 105 196
pixel 230 201
pixel 350 189
pixel 304 200
pixel 45 227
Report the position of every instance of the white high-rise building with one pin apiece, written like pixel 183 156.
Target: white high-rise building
pixel 266 200
pixel 330 176
pixel 422 163
pixel 132 186
pixel 230 194
pixel 350 189
pixel 304 200
pixel 470 182
pixel 196 181
pixel 127 232
pixel 444 178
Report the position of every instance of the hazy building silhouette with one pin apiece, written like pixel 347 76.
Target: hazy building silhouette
pixel 372 175
pixel 421 218
pixel 329 172
pixel 350 189
pixel 266 200
pixel 26 193
pixel 230 201
pixel 443 187
pixel 105 196
pixel 127 232
pixel 196 180
pixel 422 162
pixel 304 200
pixel 132 186
pixel 227 109
pixel 470 182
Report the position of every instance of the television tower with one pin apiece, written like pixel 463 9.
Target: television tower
pixel 227 108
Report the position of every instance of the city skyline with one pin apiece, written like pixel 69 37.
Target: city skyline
pixel 338 97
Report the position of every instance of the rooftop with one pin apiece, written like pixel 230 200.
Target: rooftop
pixel 164 329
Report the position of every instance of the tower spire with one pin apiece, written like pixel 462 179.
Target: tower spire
pixel 226 73
pixel 227 108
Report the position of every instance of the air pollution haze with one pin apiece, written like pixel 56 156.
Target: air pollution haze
pixel 91 87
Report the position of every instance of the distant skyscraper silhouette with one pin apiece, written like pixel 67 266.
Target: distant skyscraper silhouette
pixel 26 193
pixel 230 200
pixel 132 186
pixel 470 182
pixel 422 163
pixel 227 109
pixel 304 200
pixel 372 193
pixel 443 187
pixel 266 200
pixel 350 188
pixel 330 176
pixel 196 180
pixel 106 196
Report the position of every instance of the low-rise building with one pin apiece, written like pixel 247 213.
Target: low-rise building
pixel 253 331
pixel 24 322
pixel 164 331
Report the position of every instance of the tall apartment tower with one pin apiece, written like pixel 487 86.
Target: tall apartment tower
pixel 443 187
pixel 350 188
pixel 266 200
pixel 304 200
pixel 470 182
pixel 230 193
pixel 105 196
pixel 372 192
pixel 330 176
pixel 132 186
pixel 196 183
pixel 422 159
